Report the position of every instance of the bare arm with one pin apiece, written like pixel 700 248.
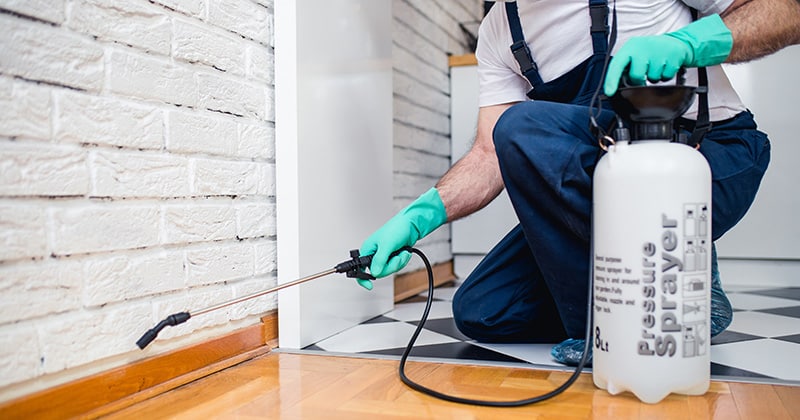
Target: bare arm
pixel 474 181
pixel 761 27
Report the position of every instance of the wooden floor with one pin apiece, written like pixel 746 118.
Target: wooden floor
pixel 290 386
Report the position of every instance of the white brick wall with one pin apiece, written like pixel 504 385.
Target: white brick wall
pixel 42 169
pixel 138 24
pixel 27 109
pixel 103 275
pixel 83 118
pixel 197 44
pixel 136 177
pixel 244 17
pixel 46 10
pixel 23 230
pixel 424 33
pixel 142 76
pixel 40 52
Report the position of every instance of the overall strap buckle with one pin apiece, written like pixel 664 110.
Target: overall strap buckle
pixel 599 16
pixel 520 49
pixel 522 54
pixel 598 13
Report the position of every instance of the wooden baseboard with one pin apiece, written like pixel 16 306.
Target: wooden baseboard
pixel 410 284
pixel 115 389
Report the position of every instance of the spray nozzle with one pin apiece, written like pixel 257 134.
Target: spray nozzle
pixel 169 321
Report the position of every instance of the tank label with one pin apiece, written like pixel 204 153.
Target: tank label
pixel 670 281
pixel 658 333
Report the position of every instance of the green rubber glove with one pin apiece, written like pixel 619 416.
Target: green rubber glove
pixel 407 227
pixel 705 42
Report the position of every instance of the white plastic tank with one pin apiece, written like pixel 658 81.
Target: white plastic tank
pixel 652 260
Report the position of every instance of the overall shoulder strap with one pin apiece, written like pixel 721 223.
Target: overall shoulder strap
pixel 598 12
pixel 520 49
pixel 703 123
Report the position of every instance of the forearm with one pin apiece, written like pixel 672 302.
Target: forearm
pixel 761 27
pixel 471 184
pixel 475 180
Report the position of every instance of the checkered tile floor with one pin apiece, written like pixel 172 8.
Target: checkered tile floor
pixel 761 345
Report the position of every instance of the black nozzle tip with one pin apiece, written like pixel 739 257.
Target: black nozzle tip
pixel 152 333
pixel 147 338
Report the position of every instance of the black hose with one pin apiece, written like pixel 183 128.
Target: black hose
pixel 452 398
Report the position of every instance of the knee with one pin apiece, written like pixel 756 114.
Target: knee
pixel 473 328
pixel 485 322
pixel 467 317
pixel 507 130
pixel 534 131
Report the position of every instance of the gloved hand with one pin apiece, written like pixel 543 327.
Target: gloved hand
pixel 705 42
pixel 407 227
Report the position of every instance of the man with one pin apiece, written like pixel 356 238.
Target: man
pixel 532 287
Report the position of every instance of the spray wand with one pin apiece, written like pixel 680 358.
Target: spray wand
pixel 354 268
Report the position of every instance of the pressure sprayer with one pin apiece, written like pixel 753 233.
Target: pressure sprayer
pixel 652 240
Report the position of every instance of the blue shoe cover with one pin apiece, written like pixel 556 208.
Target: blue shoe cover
pixel 570 351
pixel 721 310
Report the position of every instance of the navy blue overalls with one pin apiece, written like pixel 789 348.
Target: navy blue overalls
pixel 532 286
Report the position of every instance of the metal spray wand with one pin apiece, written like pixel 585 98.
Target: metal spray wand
pixel 354 267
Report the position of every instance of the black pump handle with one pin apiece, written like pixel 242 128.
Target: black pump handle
pixel 625 80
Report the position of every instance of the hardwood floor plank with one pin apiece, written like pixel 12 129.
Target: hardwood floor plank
pixel 671 407
pixel 612 407
pixel 190 396
pixel 790 399
pixel 758 401
pixel 293 386
pixel 714 405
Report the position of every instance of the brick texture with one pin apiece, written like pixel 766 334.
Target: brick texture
pixel 196 43
pixel 37 51
pixel 138 24
pixel 38 169
pixel 26 110
pixel 82 118
pixel 137 147
pixel 46 10
pixel 23 231
pixel 424 34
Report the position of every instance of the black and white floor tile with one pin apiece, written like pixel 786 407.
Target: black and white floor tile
pixel 761 345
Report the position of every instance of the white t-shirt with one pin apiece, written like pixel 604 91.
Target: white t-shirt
pixel 557 32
